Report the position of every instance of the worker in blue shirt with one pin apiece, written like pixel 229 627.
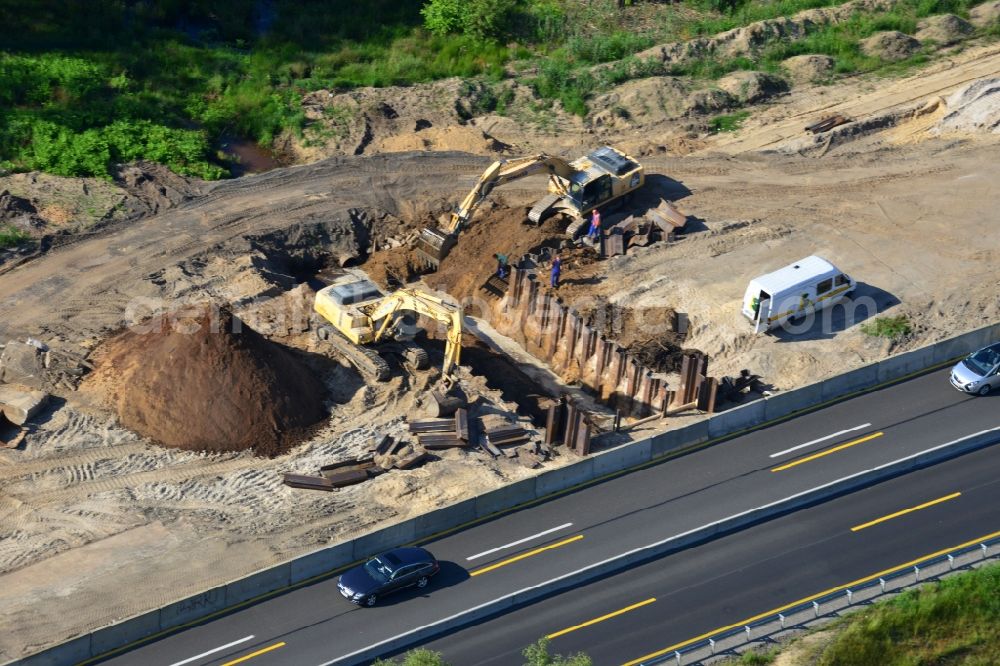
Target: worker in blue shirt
pixel 556 270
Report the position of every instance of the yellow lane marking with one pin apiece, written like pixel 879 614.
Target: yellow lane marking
pixel 828 452
pixel 536 551
pixel 779 609
pixel 250 656
pixel 905 511
pixel 602 618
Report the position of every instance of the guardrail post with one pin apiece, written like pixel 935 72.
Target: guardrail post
pixel 816 608
pixel 781 619
pixel 849 596
pixel 951 561
pixel 881 582
pixel 747 628
pixel 711 644
pixel 916 574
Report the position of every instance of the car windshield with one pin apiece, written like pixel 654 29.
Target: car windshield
pixel 982 361
pixel 378 569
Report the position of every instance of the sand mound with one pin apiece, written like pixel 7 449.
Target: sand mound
pixel 204 380
pixel 973 109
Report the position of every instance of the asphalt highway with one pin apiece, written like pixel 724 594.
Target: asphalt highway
pixel 315 626
pixel 740 576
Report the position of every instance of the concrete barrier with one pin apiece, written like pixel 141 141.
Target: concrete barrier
pixel 855 380
pixel 671 440
pixel 561 478
pixel 782 404
pixel 904 364
pixel 125 632
pixel 445 518
pixel 504 498
pixel 193 608
pixel 966 343
pixel 258 583
pixel 375 542
pixel 72 651
pixel 320 562
pixel 737 419
pixel 622 457
pixel 586 469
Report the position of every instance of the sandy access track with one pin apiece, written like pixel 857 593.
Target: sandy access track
pixel 87 509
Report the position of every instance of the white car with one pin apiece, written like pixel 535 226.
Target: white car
pixel 978 372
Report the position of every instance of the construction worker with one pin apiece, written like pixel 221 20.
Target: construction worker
pixel 502 265
pixel 556 270
pixel 595 225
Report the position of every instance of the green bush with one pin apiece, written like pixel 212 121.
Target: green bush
pixel 11 236
pixel 416 657
pixel 887 327
pixel 537 654
pixel 481 19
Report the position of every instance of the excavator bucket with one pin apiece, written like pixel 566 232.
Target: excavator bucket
pixel 433 245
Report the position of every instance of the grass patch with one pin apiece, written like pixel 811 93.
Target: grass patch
pixel 951 622
pixel 728 122
pixel 887 327
pixel 11 236
pixel 758 657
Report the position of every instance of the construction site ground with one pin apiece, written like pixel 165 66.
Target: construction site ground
pixel 98 524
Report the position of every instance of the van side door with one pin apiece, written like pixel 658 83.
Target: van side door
pixel 763 321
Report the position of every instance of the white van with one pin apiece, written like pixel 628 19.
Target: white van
pixel 809 285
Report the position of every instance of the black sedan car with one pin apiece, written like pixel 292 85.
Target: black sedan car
pixel 387 573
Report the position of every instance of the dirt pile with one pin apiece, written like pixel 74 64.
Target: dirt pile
pixel 646 332
pixel 392 268
pixel 203 380
pixel 154 187
pixel 19 212
pixel 500 231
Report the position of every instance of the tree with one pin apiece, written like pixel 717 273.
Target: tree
pixel 537 654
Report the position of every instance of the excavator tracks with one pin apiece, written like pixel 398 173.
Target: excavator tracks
pixel 367 361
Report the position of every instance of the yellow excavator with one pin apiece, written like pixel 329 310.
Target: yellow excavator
pixel 362 321
pixel 575 189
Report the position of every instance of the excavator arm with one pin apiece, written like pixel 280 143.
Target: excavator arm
pixel 499 173
pixel 429 306
pixel 434 244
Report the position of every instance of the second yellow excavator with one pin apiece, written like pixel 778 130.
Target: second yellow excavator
pixel 362 321
pixel 575 188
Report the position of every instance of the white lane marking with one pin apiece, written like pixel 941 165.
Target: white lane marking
pixel 422 630
pixel 519 541
pixel 213 651
pixel 821 439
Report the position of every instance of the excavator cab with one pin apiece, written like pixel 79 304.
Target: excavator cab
pixel 360 320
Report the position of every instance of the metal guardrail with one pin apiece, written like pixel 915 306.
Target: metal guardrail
pixel 830 603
